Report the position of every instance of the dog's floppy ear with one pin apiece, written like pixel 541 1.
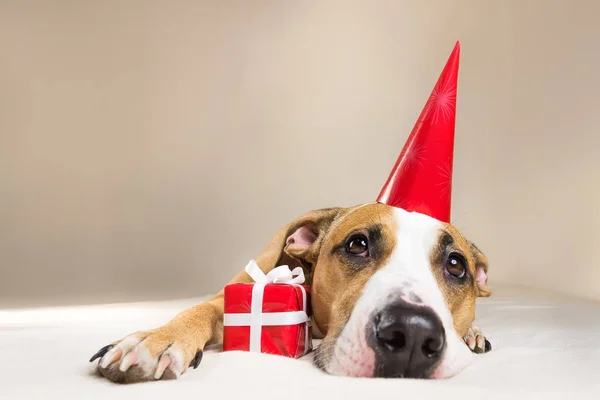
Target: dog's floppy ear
pixel 305 235
pixel 298 243
pixel 481 269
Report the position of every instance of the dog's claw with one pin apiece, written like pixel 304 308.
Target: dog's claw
pixel 197 358
pixel 101 352
pixel 488 346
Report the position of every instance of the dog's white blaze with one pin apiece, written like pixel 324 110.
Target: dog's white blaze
pixel 407 272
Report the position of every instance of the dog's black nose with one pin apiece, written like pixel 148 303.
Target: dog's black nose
pixel 408 340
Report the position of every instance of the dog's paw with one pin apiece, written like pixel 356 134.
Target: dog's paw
pixel 476 341
pixel 146 356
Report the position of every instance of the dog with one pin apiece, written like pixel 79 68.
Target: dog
pixel 393 283
pixel 393 295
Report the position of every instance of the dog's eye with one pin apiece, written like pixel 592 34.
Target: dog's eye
pixel 456 266
pixel 358 246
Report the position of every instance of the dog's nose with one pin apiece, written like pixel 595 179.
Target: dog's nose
pixel 409 340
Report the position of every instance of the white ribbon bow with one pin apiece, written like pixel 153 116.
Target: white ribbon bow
pixel 281 274
pixel 256 319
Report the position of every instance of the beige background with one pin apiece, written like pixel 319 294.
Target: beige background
pixel 149 149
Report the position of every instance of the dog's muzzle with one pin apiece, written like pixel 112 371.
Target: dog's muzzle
pixel 408 340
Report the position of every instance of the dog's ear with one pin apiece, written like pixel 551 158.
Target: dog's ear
pixel 481 270
pixel 298 243
pixel 305 235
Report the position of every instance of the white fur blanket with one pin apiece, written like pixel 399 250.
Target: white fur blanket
pixel 544 346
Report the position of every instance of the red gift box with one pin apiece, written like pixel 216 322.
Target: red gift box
pixel 271 315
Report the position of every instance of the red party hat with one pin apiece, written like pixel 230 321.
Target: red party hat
pixel 421 179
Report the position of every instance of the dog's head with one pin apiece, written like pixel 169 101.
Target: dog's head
pixel 393 292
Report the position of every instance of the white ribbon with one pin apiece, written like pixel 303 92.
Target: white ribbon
pixel 256 319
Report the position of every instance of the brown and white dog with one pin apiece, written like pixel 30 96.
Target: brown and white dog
pixel 393 285
pixel 393 294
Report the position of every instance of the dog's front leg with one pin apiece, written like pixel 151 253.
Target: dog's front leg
pixel 168 351
pixel 165 352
